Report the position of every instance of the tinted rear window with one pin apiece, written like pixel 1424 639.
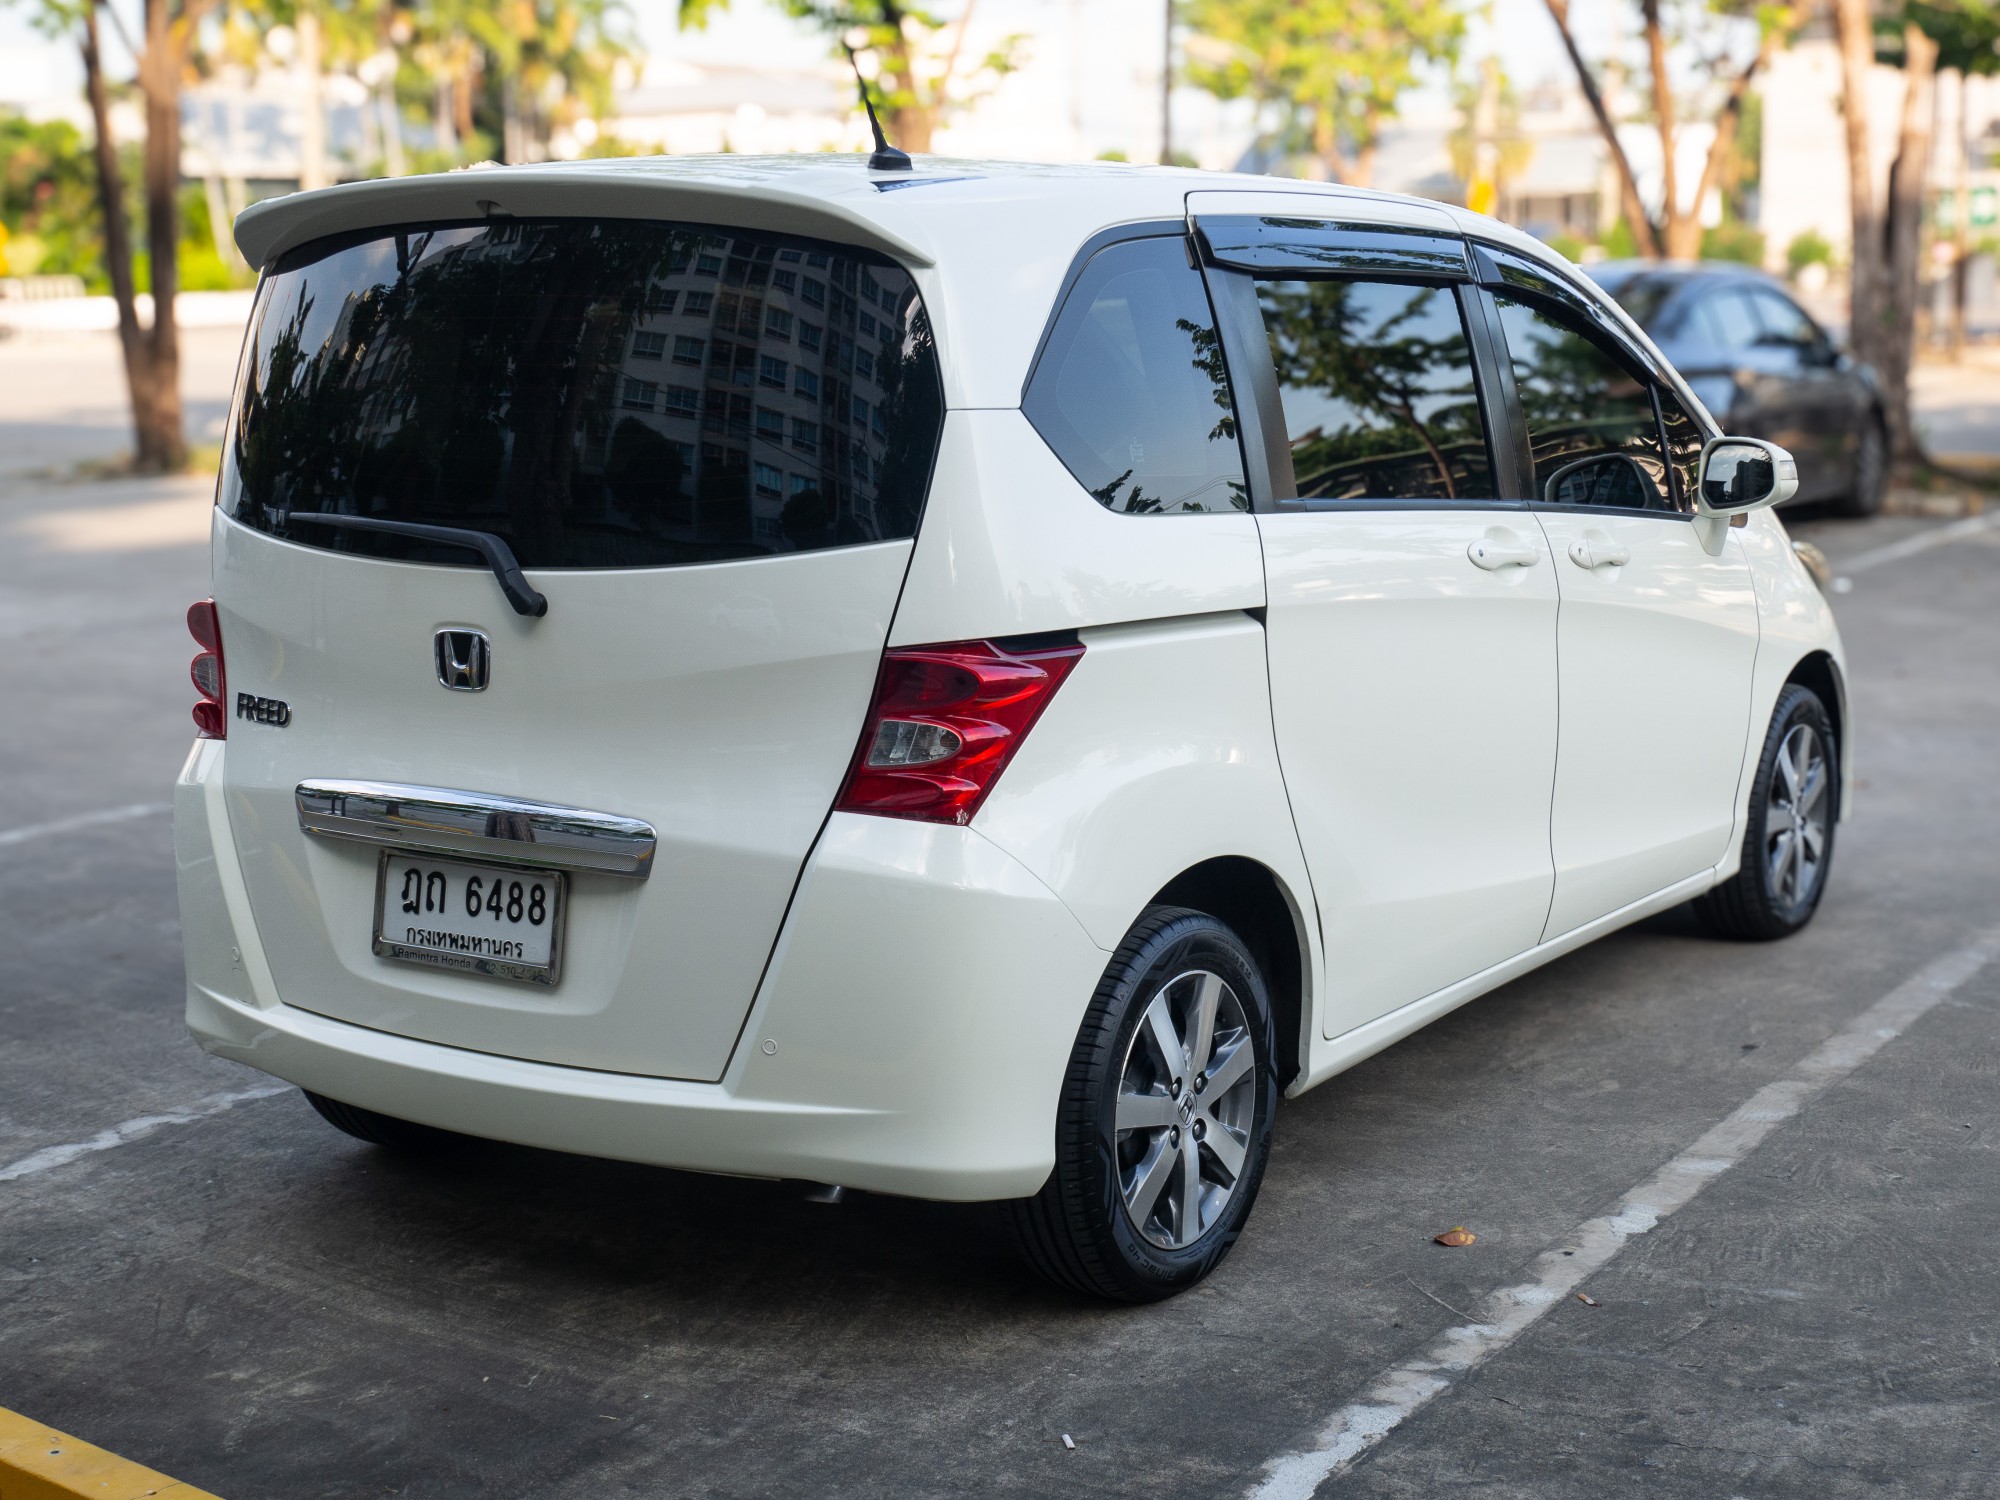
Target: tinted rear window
pixel 600 394
pixel 1131 392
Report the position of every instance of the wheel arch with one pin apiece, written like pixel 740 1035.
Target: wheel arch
pixel 1818 671
pixel 1253 900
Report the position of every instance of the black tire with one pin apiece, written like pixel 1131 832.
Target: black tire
pixel 1077 1231
pixel 1751 905
pixel 378 1129
pixel 1871 471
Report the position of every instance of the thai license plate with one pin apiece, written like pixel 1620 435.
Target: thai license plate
pixel 482 919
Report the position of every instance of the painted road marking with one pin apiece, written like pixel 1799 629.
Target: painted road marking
pixel 1400 1392
pixel 82 820
pixel 39 1463
pixel 1923 541
pixel 51 1157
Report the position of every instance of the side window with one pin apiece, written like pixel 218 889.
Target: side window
pixel 1131 392
pixel 1685 439
pixel 1379 397
pixel 1784 323
pixel 1592 432
pixel 1726 320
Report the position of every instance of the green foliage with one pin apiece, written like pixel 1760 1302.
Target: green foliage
pixel 48 201
pixel 1732 239
pixel 1567 245
pixel 1809 248
pixel 1621 243
pixel 1967 32
pixel 1335 69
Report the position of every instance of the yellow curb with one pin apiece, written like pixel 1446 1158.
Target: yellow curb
pixel 39 1463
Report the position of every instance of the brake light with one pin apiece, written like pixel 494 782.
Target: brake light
pixel 211 679
pixel 944 724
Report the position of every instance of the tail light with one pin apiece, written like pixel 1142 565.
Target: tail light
pixel 944 724
pixel 211 679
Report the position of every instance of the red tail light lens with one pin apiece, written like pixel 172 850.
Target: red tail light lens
pixel 210 677
pixel 944 724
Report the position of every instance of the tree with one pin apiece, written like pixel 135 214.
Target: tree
pixel 1967 33
pixel 1334 69
pixel 1883 287
pixel 914 53
pixel 151 351
pixel 1676 230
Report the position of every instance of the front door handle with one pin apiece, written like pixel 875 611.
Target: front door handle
pixel 1596 550
pixel 1501 548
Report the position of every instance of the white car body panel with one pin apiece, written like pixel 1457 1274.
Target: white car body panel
pixel 719 703
pixel 1415 700
pixel 1656 658
pixel 1156 755
pixel 890 1003
pixel 1012 545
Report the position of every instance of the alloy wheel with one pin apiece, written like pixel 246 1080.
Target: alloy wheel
pixel 1795 818
pixel 1187 1103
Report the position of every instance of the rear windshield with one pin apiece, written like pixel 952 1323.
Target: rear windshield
pixel 597 393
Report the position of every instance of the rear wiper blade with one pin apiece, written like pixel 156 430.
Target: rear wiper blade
pixel 525 598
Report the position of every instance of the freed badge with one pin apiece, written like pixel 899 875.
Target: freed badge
pixel 273 711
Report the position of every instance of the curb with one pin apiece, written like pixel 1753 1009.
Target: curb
pixel 39 1463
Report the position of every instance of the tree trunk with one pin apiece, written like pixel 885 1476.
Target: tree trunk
pixel 1905 238
pixel 312 103
pixel 1643 234
pixel 1326 144
pixel 152 362
pixel 1961 221
pixel 162 445
pixel 1853 24
pixel 1683 229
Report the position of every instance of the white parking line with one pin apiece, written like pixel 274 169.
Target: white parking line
pixel 51 1157
pixel 1398 1393
pixel 1923 541
pixel 82 820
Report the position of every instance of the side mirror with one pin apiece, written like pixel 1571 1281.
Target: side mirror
pixel 1739 475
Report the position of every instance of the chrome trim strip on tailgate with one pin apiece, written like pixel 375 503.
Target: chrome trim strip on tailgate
pixel 439 820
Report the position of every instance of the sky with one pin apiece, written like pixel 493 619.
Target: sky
pixel 32 69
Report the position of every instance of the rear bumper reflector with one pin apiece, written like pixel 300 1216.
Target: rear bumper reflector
pixel 438 820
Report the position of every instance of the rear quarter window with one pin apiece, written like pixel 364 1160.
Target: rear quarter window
pixel 564 385
pixel 1131 392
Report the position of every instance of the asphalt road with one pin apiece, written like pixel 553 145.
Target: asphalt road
pixel 237 1295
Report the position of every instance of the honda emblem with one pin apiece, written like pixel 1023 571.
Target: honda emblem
pixel 464 659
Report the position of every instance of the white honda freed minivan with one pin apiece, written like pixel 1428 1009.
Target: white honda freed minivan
pixel 966 681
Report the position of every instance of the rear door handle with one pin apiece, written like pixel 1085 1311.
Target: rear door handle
pixel 1596 550
pixel 1501 548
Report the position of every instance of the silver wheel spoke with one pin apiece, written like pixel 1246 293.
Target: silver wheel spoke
pixel 1815 788
pixel 1228 1150
pixel 1160 1027
pixel 1187 1211
pixel 1229 1070
pixel 1815 840
pixel 1778 819
pixel 1146 1111
pixel 1201 1022
pixel 1781 863
pixel 1151 1180
pixel 1789 772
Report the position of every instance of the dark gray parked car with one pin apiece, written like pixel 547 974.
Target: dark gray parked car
pixel 1764 368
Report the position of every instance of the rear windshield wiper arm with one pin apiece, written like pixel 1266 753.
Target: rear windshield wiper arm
pixel 525 598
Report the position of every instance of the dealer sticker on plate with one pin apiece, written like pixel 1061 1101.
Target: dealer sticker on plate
pixel 483 919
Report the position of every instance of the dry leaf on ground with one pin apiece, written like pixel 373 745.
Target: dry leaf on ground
pixel 1455 1237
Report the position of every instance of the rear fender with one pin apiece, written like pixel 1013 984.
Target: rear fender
pixel 1155 757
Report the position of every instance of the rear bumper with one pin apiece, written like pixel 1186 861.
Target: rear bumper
pixel 910 1034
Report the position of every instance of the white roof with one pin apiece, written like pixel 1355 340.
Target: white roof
pixel 989 242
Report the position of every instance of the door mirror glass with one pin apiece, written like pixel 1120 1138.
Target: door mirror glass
pixel 1742 474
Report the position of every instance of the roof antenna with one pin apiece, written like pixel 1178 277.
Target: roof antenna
pixel 886 158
